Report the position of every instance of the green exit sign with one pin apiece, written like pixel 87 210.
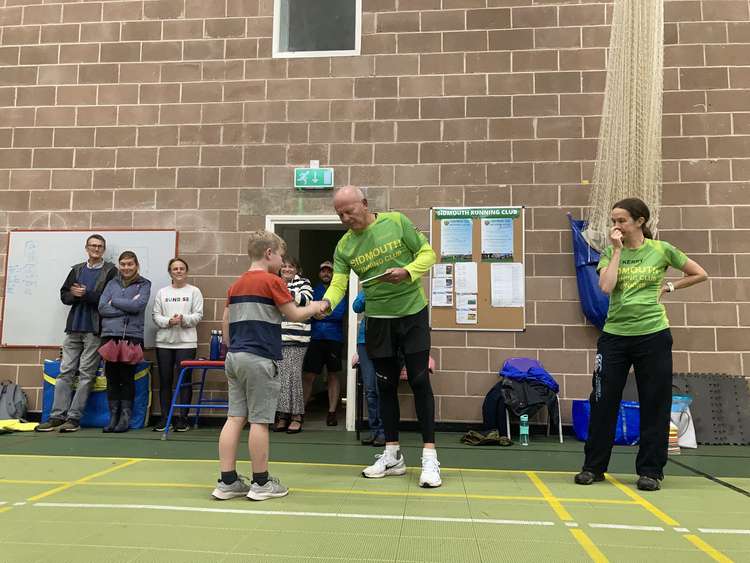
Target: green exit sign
pixel 313 178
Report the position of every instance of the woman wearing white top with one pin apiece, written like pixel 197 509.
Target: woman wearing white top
pixel 178 308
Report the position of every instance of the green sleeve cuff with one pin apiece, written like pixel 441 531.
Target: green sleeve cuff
pixel 422 262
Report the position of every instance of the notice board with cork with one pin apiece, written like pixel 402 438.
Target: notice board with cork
pixel 479 280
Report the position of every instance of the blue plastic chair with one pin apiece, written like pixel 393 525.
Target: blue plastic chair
pixel 187 368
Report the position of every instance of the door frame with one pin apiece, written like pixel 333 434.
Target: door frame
pixel 351 336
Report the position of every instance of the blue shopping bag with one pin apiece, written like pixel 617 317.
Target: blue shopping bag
pixel 96 413
pixel 628 431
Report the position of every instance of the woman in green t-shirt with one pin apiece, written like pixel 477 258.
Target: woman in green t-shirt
pixel 636 333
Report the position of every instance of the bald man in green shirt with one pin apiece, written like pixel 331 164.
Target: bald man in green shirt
pixel 390 255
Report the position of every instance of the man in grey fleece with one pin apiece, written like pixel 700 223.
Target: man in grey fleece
pixel 81 290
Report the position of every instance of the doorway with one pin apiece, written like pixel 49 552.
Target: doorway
pixel 312 240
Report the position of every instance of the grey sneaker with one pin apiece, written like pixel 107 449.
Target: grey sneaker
pixel 237 489
pixel 50 425
pixel 70 425
pixel 272 489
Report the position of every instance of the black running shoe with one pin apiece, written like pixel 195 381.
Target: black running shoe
pixel 646 483
pixel 588 478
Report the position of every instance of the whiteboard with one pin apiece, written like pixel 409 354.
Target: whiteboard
pixel 38 262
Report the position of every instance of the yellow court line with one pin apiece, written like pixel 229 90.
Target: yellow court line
pixel 83 480
pixel 324 491
pixel 31 482
pixel 709 550
pixel 301 463
pixel 553 501
pixel 668 520
pixel 580 536
pixel 586 543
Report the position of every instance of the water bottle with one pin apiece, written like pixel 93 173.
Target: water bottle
pixel 215 346
pixel 524 424
pixel 222 346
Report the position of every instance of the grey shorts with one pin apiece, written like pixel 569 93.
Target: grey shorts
pixel 253 387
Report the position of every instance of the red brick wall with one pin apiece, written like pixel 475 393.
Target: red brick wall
pixel 171 113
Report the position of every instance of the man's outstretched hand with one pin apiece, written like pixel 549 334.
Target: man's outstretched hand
pixel 324 309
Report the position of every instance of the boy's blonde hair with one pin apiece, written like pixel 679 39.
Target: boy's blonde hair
pixel 260 241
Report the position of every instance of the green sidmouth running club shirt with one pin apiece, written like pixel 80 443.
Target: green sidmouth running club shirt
pixel 391 241
pixel 634 307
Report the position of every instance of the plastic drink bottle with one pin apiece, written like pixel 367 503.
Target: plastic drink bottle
pixel 524 425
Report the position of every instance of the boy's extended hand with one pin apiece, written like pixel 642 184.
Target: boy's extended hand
pixel 323 309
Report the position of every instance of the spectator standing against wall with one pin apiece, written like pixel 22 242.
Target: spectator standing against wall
pixel 326 346
pixel 178 308
pixel 295 337
pixel 122 307
pixel 81 290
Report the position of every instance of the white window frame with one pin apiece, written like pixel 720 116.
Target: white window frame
pixel 276 54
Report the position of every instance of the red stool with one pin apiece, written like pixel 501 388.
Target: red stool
pixel 187 368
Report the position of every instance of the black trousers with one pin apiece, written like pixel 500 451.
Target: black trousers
pixel 169 361
pixel 388 372
pixel 651 357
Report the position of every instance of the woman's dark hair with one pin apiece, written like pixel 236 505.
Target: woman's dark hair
pixel 294 262
pixel 637 209
pixel 177 259
pixel 128 255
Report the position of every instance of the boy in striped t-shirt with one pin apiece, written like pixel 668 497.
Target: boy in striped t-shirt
pixel 252 320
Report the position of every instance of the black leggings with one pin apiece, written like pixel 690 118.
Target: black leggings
pixel 120 381
pixel 651 357
pixel 388 371
pixel 169 359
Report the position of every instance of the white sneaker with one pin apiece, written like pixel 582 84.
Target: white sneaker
pixel 386 464
pixel 430 476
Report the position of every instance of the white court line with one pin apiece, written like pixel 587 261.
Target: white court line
pixel 723 531
pixel 397 517
pixel 19 503
pixel 682 530
pixel 296 513
pixel 628 527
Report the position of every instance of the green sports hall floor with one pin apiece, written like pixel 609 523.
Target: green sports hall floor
pixel 87 497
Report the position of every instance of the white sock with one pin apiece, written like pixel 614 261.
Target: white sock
pixel 429 452
pixel 392 450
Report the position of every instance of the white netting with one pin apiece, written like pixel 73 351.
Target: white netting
pixel 628 161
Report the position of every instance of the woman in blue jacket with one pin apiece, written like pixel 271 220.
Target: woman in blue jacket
pixel 122 309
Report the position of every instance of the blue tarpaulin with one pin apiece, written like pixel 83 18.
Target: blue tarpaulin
pixel 594 301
